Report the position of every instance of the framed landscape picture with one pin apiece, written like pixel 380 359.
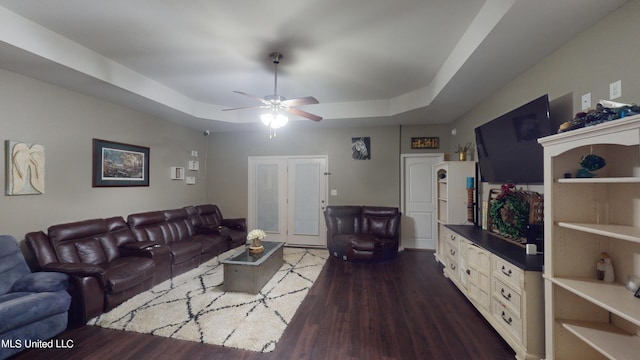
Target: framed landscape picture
pixel 118 164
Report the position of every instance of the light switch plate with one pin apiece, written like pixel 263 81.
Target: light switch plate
pixel 615 90
pixel 586 101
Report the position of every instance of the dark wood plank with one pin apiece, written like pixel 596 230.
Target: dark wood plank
pixel 400 309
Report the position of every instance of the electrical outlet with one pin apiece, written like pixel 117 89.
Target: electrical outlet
pixel 586 101
pixel 615 90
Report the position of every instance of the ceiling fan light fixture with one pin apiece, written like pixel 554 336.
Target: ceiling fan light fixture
pixel 274 119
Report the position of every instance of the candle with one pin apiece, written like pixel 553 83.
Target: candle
pixel 470 183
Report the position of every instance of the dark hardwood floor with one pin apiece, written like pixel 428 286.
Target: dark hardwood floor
pixel 401 309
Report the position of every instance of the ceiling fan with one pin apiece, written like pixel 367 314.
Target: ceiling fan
pixel 276 106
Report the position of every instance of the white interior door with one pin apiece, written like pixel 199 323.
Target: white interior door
pixel 419 201
pixel 287 196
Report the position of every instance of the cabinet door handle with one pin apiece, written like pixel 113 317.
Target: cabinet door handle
pixel 508 296
pixel 453 267
pixel 508 321
pixel 507 273
pixel 468 272
pixel 452 252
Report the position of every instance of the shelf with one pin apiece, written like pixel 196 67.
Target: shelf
pixel 623 232
pixel 613 297
pixel 608 339
pixel 604 180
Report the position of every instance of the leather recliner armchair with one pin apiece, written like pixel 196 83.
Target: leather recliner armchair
pixel 104 270
pixel 362 233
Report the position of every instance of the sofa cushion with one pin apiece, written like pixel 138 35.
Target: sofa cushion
pixel 209 214
pixel 12 264
pixel 378 225
pixel 129 271
pixel 364 242
pixel 19 309
pixel 91 252
pixel 186 250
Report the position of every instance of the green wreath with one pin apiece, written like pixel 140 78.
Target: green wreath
pixel 510 215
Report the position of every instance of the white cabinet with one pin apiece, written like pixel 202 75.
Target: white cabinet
pixel 451 256
pixel 478 272
pixel 508 293
pixel 587 318
pixel 451 191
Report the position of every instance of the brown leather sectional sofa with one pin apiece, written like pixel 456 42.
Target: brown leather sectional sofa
pixel 110 260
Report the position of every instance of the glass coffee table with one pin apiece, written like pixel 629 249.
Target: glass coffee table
pixel 247 272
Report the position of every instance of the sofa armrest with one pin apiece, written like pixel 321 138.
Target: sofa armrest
pixel 139 245
pixel 208 229
pixel 41 282
pixel 237 224
pixel 138 248
pixel 79 270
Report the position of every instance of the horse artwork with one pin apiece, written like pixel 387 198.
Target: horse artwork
pixel 361 148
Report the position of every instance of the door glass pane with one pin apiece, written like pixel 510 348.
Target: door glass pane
pixel 267 197
pixel 306 218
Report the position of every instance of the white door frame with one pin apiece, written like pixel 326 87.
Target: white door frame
pixel 438 156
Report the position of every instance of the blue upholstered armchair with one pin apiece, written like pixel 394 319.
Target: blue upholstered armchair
pixel 33 306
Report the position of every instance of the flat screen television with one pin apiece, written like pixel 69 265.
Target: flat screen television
pixel 508 150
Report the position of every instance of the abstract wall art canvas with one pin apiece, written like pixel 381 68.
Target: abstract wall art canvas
pixel 25 168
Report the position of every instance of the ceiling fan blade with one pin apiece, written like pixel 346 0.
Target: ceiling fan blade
pixel 304 114
pixel 244 107
pixel 307 100
pixel 253 97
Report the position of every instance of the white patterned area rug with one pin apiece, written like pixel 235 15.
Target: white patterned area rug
pixel 193 306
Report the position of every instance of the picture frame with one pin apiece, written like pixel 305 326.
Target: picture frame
pixel 25 168
pixel 425 142
pixel 361 148
pixel 118 164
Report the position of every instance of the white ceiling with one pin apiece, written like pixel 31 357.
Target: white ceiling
pixel 366 61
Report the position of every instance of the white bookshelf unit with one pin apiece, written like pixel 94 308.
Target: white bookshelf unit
pixel 451 182
pixel 586 318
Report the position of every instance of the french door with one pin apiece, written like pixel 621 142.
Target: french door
pixel 287 197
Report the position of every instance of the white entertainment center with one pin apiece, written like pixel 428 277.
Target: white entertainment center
pixel 499 279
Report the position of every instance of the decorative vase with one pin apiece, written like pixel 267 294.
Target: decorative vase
pixel 256 246
pixel 462 156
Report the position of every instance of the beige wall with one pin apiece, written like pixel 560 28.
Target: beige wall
pixel 65 123
pixel 371 182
